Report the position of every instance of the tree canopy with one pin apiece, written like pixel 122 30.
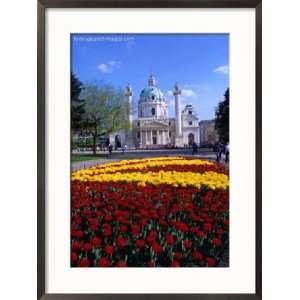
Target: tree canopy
pixel 77 104
pixel 106 110
pixel 222 118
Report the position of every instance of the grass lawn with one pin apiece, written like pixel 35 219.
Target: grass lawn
pixel 85 157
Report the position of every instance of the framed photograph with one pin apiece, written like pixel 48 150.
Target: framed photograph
pixel 149 149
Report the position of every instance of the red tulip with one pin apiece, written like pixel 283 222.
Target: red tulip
pixel 150 264
pixel 170 239
pixel 187 244
pixel 140 243
pixel 207 227
pixel 157 248
pixel 103 262
pixel 197 255
pixel 135 229
pixel 175 264
pixel 74 257
pixel 121 242
pixel 84 263
pixel 87 247
pixel 211 262
pixel 178 255
pixel 108 249
pixel 121 264
pixel 96 241
pixel 217 242
pixel 200 234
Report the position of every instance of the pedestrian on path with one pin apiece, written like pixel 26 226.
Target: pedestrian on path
pixel 195 148
pixel 219 150
pixel 227 153
pixel 110 148
pixel 124 148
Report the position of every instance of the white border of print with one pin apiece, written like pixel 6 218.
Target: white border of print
pixel 240 276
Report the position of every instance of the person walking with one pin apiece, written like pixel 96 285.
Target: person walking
pixel 215 149
pixel 219 150
pixel 110 148
pixel 227 153
pixel 124 147
pixel 195 148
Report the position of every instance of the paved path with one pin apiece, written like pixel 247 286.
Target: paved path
pixel 89 163
pixel 135 154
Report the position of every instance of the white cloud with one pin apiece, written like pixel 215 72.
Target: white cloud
pixel 114 63
pixel 196 87
pixel 109 67
pixel 187 93
pixel 222 69
pixel 103 68
pixel 184 93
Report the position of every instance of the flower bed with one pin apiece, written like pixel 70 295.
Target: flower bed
pixel 159 212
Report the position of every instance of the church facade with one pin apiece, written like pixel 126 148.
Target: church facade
pixel 153 128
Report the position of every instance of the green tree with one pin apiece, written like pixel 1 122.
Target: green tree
pixel 106 110
pixel 222 118
pixel 77 104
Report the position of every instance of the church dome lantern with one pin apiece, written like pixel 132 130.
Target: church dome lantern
pixel 151 80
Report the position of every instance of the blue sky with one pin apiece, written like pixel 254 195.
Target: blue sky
pixel 199 63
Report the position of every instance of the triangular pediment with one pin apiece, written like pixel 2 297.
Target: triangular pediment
pixel 154 124
pixel 157 123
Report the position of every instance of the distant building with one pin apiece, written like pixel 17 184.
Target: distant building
pixel 208 133
pixel 153 127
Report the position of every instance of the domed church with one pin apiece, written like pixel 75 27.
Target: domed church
pixel 153 128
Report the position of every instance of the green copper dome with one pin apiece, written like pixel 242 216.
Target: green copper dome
pixel 152 92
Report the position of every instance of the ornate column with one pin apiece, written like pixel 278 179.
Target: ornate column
pixel 148 137
pixel 129 134
pixel 177 93
pixel 164 137
pixel 128 94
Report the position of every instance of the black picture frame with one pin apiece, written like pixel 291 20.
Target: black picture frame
pixel 41 162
